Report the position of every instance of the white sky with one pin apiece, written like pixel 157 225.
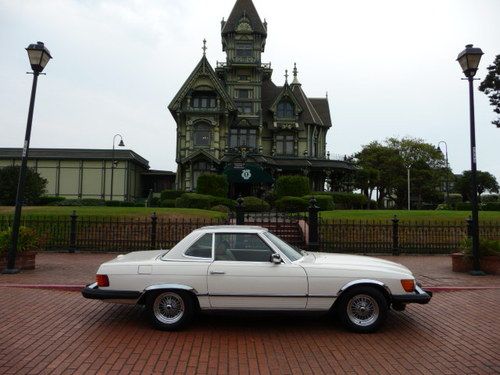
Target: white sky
pixel 388 66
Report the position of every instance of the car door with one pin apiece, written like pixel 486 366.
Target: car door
pixel 242 276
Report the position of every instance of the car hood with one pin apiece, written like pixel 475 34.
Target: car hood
pixel 352 262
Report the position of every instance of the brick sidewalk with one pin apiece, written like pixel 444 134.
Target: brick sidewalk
pixel 80 268
pixel 45 331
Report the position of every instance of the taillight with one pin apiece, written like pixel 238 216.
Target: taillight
pixel 102 280
pixel 408 285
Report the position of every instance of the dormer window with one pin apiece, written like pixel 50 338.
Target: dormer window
pixel 285 109
pixel 204 100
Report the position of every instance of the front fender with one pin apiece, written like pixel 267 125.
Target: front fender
pixel 363 282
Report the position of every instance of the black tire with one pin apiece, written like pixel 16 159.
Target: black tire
pixel 362 308
pixel 170 310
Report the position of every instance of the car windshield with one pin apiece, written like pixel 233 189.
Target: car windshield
pixel 285 248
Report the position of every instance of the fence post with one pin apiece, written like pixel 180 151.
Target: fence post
pixel 395 236
pixel 154 222
pixel 240 212
pixel 313 225
pixel 72 232
pixel 469 227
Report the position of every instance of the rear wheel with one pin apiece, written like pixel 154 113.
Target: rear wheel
pixel 362 309
pixel 169 310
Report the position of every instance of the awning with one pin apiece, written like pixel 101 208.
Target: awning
pixel 247 174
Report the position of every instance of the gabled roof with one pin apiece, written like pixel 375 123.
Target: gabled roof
pixel 309 114
pixel 247 9
pixel 286 91
pixel 202 154
pixel 323 109
pixel 203 68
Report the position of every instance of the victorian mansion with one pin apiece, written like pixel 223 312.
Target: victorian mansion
pixel 235 120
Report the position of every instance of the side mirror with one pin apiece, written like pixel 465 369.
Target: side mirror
pixel 276 258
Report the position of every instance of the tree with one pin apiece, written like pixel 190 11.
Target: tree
pixel 485 182
pixel 491 87
pixel 34 186
pixel 383 167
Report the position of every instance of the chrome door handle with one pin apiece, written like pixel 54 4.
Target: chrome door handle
pixel 217 273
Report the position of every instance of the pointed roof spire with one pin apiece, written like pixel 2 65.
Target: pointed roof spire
pixel 244 8
pixel 295 71
pixel 204 48
pixel 286 76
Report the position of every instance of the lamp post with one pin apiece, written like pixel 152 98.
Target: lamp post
pixel 39 56
pixel 469 61
pixel 121 144
pixel 447 168
pixel 408 167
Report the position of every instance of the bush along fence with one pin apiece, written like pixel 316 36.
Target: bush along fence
pixel 305 230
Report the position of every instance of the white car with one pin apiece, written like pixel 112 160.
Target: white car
pixel 249 268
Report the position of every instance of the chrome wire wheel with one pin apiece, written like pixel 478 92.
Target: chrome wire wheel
pixel 363 310
pixel 168 308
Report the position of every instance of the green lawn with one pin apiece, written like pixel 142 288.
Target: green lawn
pixel 170 213
pixel 408 215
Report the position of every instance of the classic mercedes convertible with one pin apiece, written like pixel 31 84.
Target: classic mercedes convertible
pixel 249 268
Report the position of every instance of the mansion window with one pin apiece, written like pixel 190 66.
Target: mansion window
pixel 201 135
pixel 244 94
pixel 242 137
pixel 199 168
pixel 244 49
pixel 204 100
pixel 245 107
pixel 284 145
pixel 285 109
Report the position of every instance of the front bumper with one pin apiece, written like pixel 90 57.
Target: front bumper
pixel 420 296
pixel 92 291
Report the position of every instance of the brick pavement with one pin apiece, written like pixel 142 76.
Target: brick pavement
pixel 48 331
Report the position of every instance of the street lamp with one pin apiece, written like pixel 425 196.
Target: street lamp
pixel 121 144
pixel 469 61
pixel 447 168
pixel 408 167
pixel 39 56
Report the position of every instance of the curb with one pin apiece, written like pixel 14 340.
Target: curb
pixel 78 288
pixel 62 287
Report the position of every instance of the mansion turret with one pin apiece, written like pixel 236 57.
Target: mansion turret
pixel 234 120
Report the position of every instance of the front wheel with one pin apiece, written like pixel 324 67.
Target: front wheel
pixel 169 310
pixel 362 309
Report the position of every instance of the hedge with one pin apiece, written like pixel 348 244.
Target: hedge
pixel 44 201
pixel 80 202
pixel 254 204
pixel 488 198
pixel 324 202
pixel 491 206
pixel 202 201
pixel 292 186
pixel 212 184
pixel 171 194
pixel 292 204
pixel 167 203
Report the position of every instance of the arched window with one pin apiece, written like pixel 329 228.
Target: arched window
pixel 285 109
pixel 203 99
pixel 201 135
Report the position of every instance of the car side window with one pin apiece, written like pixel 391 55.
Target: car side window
pixel 202 248
pixel 247 247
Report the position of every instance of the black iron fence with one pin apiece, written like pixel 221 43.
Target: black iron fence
pixel 122 234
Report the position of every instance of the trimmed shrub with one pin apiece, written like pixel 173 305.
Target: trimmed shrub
pixel 463 206
pixel 292 186
pixel 491 206
pixel 171 194
pixel 80 202
pixel 167 203
pixel 292 204
pixel 127 204
pixel 454 199
pixel 324 202
pixel 194 200
pixel 486 247
pixel 221 208
pixel 49 201
pixel 270 197
pixel 28 240
pixel 487 198
pixel 443 207
pixel 113 203
pixel 349 200
pixel 212 184
pixel 223 201
pixel 254 204
pixel 155 202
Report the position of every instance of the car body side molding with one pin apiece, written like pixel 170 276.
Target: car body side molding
pixel 170 286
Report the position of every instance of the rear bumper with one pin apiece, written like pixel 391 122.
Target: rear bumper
pixel 92 291
pixel 420 296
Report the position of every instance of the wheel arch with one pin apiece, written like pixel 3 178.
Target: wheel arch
pixel 364 282
pixel 169 287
